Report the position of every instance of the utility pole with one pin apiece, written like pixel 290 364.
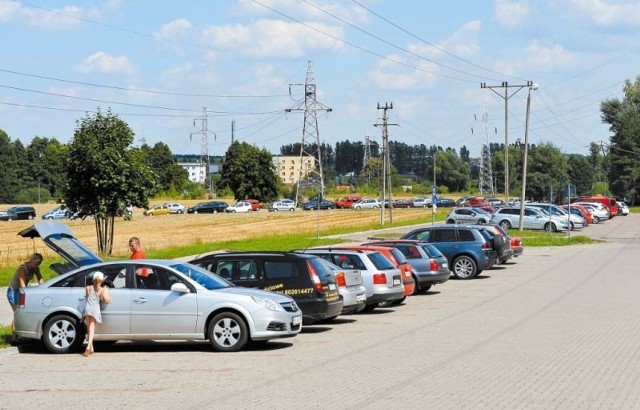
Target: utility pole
pixel 506 97
pixel 386 161
pixel 310 146
pixel 524 160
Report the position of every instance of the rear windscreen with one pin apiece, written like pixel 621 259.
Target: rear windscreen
pixel 380 261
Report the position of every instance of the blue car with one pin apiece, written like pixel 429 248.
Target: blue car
pixel 60 212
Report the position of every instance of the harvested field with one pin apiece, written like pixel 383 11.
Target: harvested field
pixel 159 232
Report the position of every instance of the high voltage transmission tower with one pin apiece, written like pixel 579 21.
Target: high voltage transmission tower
pixel 204 142
pixel 367 151
pixel 310 147
pixel 486 172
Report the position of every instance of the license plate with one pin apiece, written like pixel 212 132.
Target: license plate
pixel 332 286
pixel 297 320
pixel 445 265
pixel 361 298
pixel 396 282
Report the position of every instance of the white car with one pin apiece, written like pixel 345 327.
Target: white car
pixel 598 211
pixel 241 206
pixel 421 203
pixel 175 208
pixel 623 208
pixel 366 204
pixel 281 206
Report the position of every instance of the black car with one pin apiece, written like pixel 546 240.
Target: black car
pixel 18 212
pixel 445 202
pixel 324 204
pixel 211 207
pixel 304 277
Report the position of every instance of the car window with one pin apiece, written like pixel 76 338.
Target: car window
pixel 280 269
pixel 466 235
pixel 444 235
pixel 322 268
pixel 431 250
pixel 400 258
pixel 410 252
pixel 422 236
pixel 202 276
pixel 115 276
pixel 380 261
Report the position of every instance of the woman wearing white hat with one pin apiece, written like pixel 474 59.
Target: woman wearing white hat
pixel 95 293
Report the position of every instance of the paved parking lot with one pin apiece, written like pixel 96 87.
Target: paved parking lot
pixel 558 328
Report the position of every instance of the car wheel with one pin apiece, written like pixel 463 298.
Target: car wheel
pixel 275 209
pixel 30 217
pixel 451 221
pixel 292 209
pixel 549 227
pixel 464 267
pixel 357 207
pixel 595 219
pixel 63 334
pixel 505 224
pixel 481 221
pixel 196 212
pixel 227 332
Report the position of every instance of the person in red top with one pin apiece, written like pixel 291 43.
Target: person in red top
pixel 137 253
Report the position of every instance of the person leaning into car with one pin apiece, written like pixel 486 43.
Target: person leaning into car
pixel 21 279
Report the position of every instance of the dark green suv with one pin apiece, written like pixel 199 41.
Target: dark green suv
pixel 469 250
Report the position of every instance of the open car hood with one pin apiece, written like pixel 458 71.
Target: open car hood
pixel 59 237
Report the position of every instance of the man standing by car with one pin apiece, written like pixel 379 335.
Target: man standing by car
pixel 21 279
pixel 137 253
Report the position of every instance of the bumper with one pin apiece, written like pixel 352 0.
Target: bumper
pixel 432 278
pixel 353 299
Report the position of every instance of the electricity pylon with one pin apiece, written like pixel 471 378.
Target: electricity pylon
pixel 310 147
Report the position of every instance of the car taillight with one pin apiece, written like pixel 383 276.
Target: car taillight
pixel 342 282
pixel 407 272
pixel 22 298
pixel 486 246
pixel 379 279
pixel 433 264
pixel 317 284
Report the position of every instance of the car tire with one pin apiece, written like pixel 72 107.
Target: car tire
pixel 481 221
pixel 451 221
pixel 464 267
pixel 275 209
pixel 595 219
pixel 369 307
pixel 505 224
pixel 63 334
pixel 550 227
pixel 418 288
pixel 292 209
pixel 196 212
pixel 228 332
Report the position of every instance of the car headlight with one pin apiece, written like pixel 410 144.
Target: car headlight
pixel 269 304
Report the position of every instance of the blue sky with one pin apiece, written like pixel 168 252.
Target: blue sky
pixel 158 64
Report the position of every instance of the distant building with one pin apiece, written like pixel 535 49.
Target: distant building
pixel 197 171
pixel 288 168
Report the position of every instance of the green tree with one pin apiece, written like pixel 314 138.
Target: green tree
pixel 548 170
pixel 623 118
pixel 249 172
pixel 171 176
pixel 580 174
pixel 47 158
pixel 9 174
pixel 105 174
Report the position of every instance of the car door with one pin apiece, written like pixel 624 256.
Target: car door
pixel 446 241
pixel 532 220
pixel 155 309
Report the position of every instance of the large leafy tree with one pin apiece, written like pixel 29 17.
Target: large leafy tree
pixel 171 176
pixel 623 118
pixel 9 176
pixel 548 172
pixel 249 172
pixel 105 174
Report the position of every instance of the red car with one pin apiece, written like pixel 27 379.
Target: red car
pixel 516 245
pixel 255 204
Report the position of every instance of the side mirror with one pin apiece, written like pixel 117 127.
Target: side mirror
pixel 180 288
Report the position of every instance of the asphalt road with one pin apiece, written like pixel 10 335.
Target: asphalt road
pixel 557 328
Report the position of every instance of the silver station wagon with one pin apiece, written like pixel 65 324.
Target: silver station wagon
pixel 150 300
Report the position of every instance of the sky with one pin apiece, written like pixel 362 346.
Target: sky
pixel 182 73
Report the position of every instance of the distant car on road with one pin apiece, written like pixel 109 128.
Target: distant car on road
pixel 278 206
pixel 175 208
pixel 162 209
pixel 211 207
pixel 313 205
pixel 467 215
pixel 60 212
pixel 18 212
pixel 241 206
pixel 368 203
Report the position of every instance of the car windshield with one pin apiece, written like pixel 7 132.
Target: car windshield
pixel 431 250
pixel 202 276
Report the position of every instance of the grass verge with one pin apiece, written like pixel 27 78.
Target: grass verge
pixel 5 336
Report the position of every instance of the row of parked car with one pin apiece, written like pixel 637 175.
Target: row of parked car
pixel 536 215
pixel 233 299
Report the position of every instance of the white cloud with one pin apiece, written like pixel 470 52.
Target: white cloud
pixel 104 63
pixel 511 14
pixel 544 56
pixel 606 13
pixel 67 18
pixel 301 10
pixel 174 30
pixel 274 38
pixel 390 76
